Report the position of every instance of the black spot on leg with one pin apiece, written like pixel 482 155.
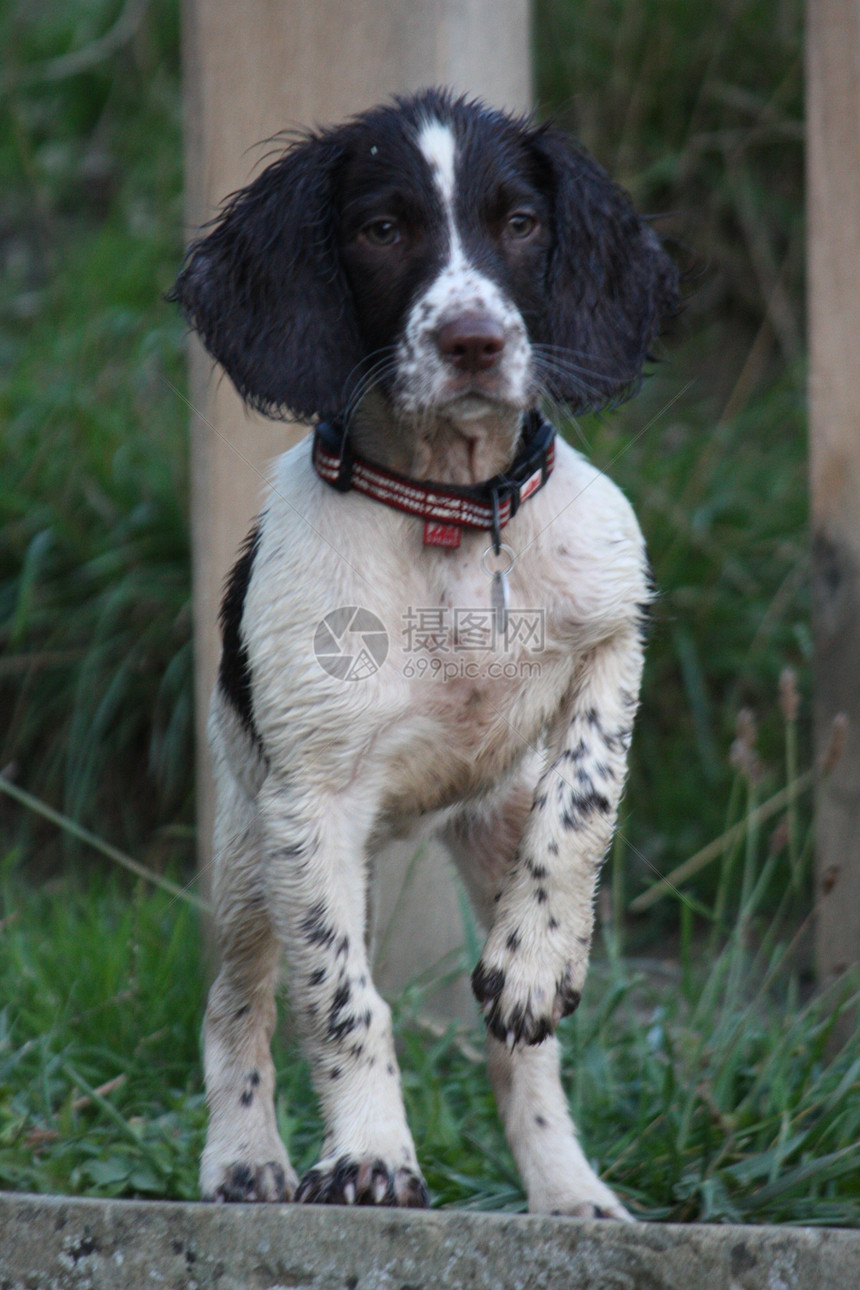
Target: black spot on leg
pixel 540 1121
pixel 337 1029
pixel 513 942
pixel 580 806
pixel 541 895
pixel 317 977
pixel 334 1073
pixel 618 741
pixel 242 1012
pixel 389 1069
pixel 539 1031
pixel 552 848
pixel 487 985
pixel 340 1022
pixel 568 997
pixel 538 871
pixel 341 997
pixel 315 927
pixel 552 925
pixel 252 1082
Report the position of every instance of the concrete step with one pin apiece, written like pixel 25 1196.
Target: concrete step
pixel 57 1243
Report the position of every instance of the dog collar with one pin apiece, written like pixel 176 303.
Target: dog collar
pixel 445 508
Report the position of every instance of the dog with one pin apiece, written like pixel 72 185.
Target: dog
pixel 436 625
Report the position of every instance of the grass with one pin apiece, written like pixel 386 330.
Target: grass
pixel 95 673
pixel 705 1083
pixel 699 111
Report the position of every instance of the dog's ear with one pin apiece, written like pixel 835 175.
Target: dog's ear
pixel 266 291
pixel 609 281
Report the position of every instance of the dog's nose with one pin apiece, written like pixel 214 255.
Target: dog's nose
pixel 473 342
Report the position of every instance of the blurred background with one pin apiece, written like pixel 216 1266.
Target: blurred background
pixel 697 110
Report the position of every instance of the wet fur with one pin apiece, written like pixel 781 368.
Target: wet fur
pixel 513 235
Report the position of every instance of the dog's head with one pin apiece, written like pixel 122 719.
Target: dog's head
pixel 435 250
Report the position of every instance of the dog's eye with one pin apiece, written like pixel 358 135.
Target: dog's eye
pixel 381 232
pixel 521 224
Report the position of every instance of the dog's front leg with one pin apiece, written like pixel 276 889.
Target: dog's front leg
pixel 553 1166
pixel 244 1158
pixel 317 877
pixel 533 967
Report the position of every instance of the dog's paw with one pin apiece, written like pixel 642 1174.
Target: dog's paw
pixel 523 1002
pixel 344 1180
pixel 565 1183
pixel 589 1209
pixel 239 1182
pixel 580 1195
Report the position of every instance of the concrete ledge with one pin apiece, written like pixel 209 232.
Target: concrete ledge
pixel 55 1243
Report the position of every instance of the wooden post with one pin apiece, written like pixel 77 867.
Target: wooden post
pixel 833 173
pixel 252 69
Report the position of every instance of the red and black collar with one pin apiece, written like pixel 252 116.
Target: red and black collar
pixel 445 508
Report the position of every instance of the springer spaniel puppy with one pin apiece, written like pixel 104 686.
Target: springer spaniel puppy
pixel 435 624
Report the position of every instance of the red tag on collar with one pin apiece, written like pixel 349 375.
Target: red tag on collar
pixel 531 485
pixel 436 534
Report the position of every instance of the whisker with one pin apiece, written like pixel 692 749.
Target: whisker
pixel 566 359
pixel 559 411
pixel 383 366
pixel 554 370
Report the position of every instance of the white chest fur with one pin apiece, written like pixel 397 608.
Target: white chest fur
pixel 456 702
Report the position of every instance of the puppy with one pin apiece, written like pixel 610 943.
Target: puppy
pixel 436 623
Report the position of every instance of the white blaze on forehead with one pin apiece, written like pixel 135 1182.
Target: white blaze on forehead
pixel 424 377
pixel 439 148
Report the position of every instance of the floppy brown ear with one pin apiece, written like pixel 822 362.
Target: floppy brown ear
pixel 265 289
pixel 609 281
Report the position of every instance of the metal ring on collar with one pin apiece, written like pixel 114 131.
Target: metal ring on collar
pixel 503 548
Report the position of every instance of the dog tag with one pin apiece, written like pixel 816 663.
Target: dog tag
pixel 500 600
pixel 499 592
